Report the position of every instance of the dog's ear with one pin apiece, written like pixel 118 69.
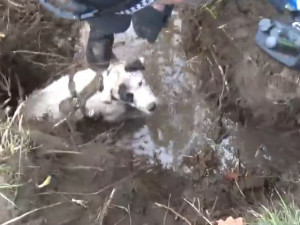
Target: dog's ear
pixel 135 65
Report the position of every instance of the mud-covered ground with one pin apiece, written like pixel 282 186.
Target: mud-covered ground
pixel 226 133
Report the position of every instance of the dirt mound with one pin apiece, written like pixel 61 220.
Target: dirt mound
pixel 242 82
pixel 36 46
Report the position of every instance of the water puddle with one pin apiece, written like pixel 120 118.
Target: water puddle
pixel 184 123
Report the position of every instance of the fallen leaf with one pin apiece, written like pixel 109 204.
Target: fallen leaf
pixel 231 221
pixel 232 176
pixel 2 36
pixel 45 183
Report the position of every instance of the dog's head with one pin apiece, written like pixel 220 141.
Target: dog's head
pixel 129 86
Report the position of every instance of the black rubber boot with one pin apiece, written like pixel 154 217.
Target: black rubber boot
pixel 148 22
pixel 101 38
pixel 99 51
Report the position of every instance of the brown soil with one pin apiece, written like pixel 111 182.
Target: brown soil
pixel 35 46
pixel 238 81
pixel 258 93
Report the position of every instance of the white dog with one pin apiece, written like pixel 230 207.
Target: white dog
pixel 124 89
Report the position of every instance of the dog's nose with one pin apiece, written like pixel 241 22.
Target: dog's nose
pixel 152 107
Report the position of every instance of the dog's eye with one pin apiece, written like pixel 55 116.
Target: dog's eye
pixel 140 83
pixel 129 97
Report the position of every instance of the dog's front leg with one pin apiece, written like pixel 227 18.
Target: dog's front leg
pixel 70 112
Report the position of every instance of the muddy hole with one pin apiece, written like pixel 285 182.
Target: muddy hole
pixel 224 136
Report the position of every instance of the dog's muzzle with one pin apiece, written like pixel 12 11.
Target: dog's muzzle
pixel 151 107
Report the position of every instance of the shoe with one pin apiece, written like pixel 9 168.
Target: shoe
pixel 148 22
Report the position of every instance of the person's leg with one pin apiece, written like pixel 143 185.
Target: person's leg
pixel 101 38
pixel 160 4
pixel 148 22
pixel 99 49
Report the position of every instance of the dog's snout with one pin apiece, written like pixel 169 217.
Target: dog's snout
pixel 152 107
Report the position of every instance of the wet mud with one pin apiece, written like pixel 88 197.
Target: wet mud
pixel 225 133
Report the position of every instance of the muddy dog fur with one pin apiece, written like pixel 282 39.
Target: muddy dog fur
pixel 124 95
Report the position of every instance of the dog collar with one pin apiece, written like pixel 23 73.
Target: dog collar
pixel 92 12
pixel 142 4
pixel 79 99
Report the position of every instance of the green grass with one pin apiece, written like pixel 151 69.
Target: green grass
pixel 14 141
pixel 13 138
pixel 213 8
pixel 282 214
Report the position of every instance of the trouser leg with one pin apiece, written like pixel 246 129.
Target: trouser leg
pixel 99 50
pixel 149 22
pixel 101 38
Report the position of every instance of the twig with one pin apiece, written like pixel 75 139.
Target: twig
pixel 55 151
pixel 20 89
pixel 181 209
pixel 129 214
pixel 29 213
pixel 103 212
pixel 39 53
pixel 174 212
pixel 17 112
pixel 214 206
pixel 80 202
pixel 5 85
pixel 165 217
pixel 72 134
pixel 15 4
pixel 7 199
pixel 238 186
pixel 19 170
pixel 9 186
pixel 223 76
pixel 60 122
pixel 82 168
pixel 198 211
pixel 127 210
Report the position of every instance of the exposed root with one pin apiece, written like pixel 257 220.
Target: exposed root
pixel 56 151
pixel 83 168
pixel 30 212
pixel 174 212
pixel 34 46
pixel 104 209
pixel 198 210
pixel 165 217
pixel 127 210
pixel 5 86
pixel 223 77
pixel 7 199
